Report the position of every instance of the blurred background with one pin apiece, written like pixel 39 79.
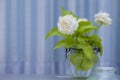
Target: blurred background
pixel 24 24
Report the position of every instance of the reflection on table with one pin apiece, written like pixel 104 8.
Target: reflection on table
pixel 37 77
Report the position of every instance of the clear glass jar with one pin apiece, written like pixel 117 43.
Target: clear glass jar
pixel 104 73
pixel 70 69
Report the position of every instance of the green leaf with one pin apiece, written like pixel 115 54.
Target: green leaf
pixel 86 64
pixel 93 40
pixel 99 45
pixel 84 24
pixel 75 58
pixel 65 12
pixel 67 43
pixel 87 49
pixel 53 32
pixel 96 38
pixel 95 58
pixel 86 27
pixel 80 62
pixel 96 41
pixel 101 49
pixel 80 38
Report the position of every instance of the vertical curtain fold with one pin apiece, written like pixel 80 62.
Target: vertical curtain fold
pixel 27 35
pixel 33 39
pixel 2 36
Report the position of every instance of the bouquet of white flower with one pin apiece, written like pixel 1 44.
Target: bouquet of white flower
pixel 79 33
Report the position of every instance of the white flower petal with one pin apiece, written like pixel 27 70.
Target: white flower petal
pixel 82 20
pixel 103 19
pixel 67 24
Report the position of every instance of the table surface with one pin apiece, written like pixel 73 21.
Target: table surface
pixel 34 77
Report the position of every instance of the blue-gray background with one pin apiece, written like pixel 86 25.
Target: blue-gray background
pixel 24 23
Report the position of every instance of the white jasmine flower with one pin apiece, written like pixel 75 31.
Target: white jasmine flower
pixel 82 20
pixel 67 24
pixel 103 19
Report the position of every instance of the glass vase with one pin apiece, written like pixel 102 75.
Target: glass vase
pixel 70 69
pixel 104 73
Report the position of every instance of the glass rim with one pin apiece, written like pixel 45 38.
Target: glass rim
pixel 105 68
